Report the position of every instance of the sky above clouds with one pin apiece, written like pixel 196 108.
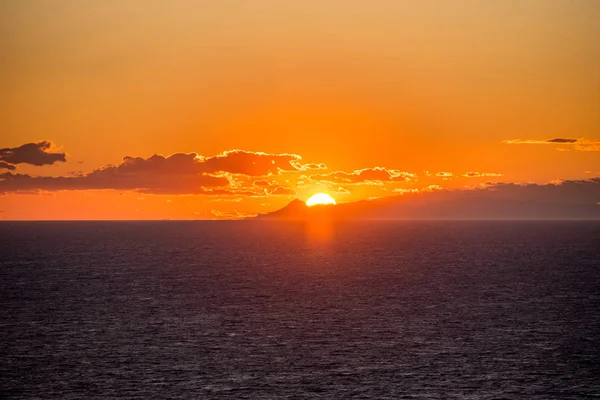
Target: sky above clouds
pixel 152 109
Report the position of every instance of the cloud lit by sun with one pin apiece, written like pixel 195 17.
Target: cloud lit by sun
pixel 320 199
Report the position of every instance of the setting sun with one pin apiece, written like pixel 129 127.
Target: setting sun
pixel 320 198
pixel 167 173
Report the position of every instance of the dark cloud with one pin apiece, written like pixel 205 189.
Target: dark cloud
pixel 31 153
pixel 219 191
pixel 561 140
pixel 249 163
pixel 4 165
pixel 376 175
pixel 444 174
pixel 176 164
pixel 111 178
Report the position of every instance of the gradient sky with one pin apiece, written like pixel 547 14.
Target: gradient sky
pixel 415 88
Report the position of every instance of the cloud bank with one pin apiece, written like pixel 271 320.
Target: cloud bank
pixel 180 173
pixel 176 174
pixel 232 162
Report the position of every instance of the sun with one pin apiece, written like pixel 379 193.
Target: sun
pixel 320 198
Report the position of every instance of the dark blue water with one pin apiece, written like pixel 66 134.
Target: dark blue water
pixel 249 310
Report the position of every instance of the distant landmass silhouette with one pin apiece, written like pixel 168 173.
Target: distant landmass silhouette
pixel 577 200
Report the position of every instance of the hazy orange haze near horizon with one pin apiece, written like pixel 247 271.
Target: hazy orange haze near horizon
pixel 418 93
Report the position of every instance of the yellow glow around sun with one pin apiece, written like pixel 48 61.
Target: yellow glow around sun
pixel 320 198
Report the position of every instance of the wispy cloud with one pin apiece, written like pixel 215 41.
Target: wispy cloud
pixel 235 214
pixel 376 175
pixel 281 191
pixel 576 144
pixel 264 183
pixel 339 189
pixel 307 167
pixel 430 188
pixel 403 191
pixel 473 174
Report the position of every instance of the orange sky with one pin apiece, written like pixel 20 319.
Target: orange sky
pixel 438 86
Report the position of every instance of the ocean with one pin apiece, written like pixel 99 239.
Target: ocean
pixel 290 310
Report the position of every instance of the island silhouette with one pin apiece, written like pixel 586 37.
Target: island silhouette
pixel 578 200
